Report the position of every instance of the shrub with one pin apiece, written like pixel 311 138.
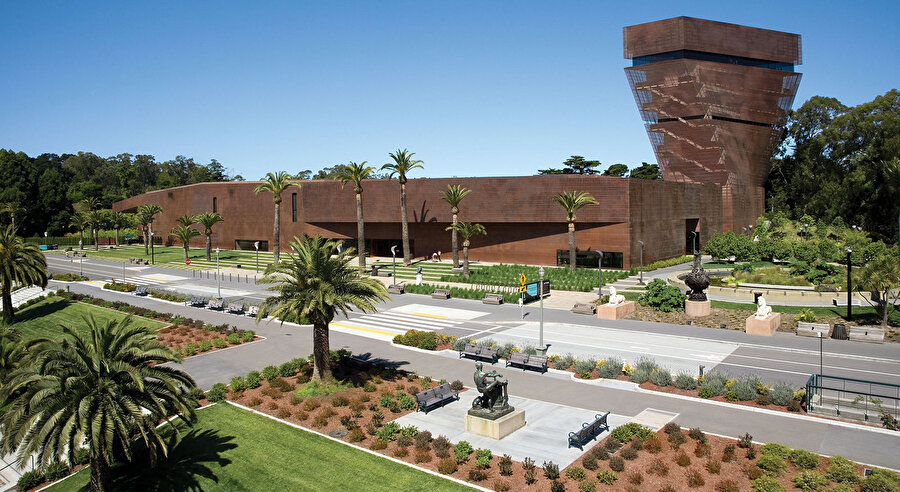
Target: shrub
pixel 270 373
pixel 423 440
pixel 717 381
pixel 401 452
pixel 706 392
pixel 781 393
pixel 629 453
pixel 671 428
pixel 254 402
pixel 462 450
pixel 423 455
pixel 802 458
pixel 339 401
pixel 775 449
pixel 713 467
pixel 696 434
pixel 356 435
pixel 219 342
pixel 677 439
pixel 616 463
pixel 653 445
pixel 441 447
pixel 238 384
pixel 247 336
pixel 635 478
pixel 81 456
pixel 426 340
pixel 771 465
pixel 766 484
pixel 841 470
pixel 661 377
pixel 30 480
pixel 600 453
pixel 190 349
pixel 764 400
pixel 701 450
pixel 378 445
pixel 745 441
pixel 234 339
pixel 456 385
pixel 587 486
pixel 557 486
pixel 447 466
pixel 405 401
pixel 625 432
pixel 727 486
pixel 612 444
pixel 505 465
pixel 611 368
pixel 662 297
pixel 216 393
pixel 607 477
pixel 695 479
pixel 685 382
pixel 793 406
pixel 637 444
pixel 205 345
pixel 745 388
pixel 658 467
pixel 809 480
pixel 477 475
pixel 564 362
pixel 589 462
pixel 640 375
pixel 683 459
pixel 388 432
pixel 56 470
pixel 576 473
pixel 551 470
pixel 878 482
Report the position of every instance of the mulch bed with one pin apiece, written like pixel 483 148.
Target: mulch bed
pixel 176 337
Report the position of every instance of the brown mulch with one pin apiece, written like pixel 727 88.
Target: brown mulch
pixel 176 337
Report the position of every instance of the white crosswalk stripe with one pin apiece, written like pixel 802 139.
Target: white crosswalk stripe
pixel 393 323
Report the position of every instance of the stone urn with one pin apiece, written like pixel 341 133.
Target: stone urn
pixel 697 280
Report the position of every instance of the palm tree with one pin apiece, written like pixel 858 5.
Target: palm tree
pixel 208 220
pixel 106 387
pixel 317 282
pixel 881 276
pixel 120 220
pixel 96 218
pixel 403 164
pixel 89 206
pixel 187 220
pixel 467 230
pixel 276 184
pixel 184 234
pixel 454 195
pixel 10 353
pixel 146 215
pixel 356 173
pixel 79 221
pixel 12 209
pixel 573 201
pixel 21 263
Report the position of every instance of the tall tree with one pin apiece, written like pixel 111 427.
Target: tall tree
pixel 208 220
pixel 22 264
pixel 90 206
pixel 276 184
pixel 467 230
pixel 107 387
pixel 646 171
pixel 316 283
pixel 96 218
pixel 12 208
pixel 120 220
pixel 11 353
pixel 572 202
pixel 575 164
pixel 80 221
pixel 617 170
pixel 402 165
pixel 186 220
pixel 146 214
pixel 881 276
pixel 356 173
pixel 184 234
pixel 453 196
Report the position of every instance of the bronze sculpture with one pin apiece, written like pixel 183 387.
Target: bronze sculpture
pixel 494 400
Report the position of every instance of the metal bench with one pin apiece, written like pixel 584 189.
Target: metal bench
pixel 396 289
pixel 584 308
pixel 141 291
pixel 441 294
pixel 479 352
pixel 216 304
pixel 526 361
pixel 492 299
pixel 588 432
pixel 195 302
pixel 235 308
pixel 439 395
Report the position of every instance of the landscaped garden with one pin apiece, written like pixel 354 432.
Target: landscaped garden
pixel 44 318
pixel 173 257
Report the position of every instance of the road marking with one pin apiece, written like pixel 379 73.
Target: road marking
pixel 431 315
pixel 362 329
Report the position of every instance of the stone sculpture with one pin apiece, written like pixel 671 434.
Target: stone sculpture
pixel 762 310
pixel 494 400
pixel 615 298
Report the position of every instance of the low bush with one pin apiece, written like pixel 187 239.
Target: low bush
pixel 766 484
pixel 269 373
pixel 422 339
pixel 879 482
pixel 378 445
pixel 658 467
pixel 696 434
pixel 551 470
pixel 505 465
pixel 635 478
pixel 640 375
pixel 587 486
pixel 219 343
pixel 238 383
pixel 809 480
pixel 616 463
pixel 462 450
pixel 441 446
pixel 456 385
pixel 234 339
pixel 781 393
pixel 557 486
pixel 804 459
pixel 713 467
pixel 502 486
pixel 661 377
pixel 81 456
pixel 612 444
pixel 388 432
pixel 685 382
pixel 589 462
pixel 653 445
pixel 629 453
pixel 662 297
pixel 600 453
pixel 190 349
pixel 745 388
pixel 423 455
pixel 423 440
pixel 771 465
pixel 775 449
pixel 701 450
pixel 205 345
pixel 56 471
pixel 694 479
pixel 727 486
pixel 576 473
pixel 447 466
pixel 677 439
pixel 682 459
pixel 476 475
pixel 611 368
pixel 607 477
pixel 216 393
pixel 841 470
pixel 745 441
pixel 401 452
pixel 30 480
pixel 706 392
pixel 671 428
pixel 247 336
pixel 625 432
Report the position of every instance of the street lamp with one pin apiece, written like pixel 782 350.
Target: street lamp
pixel 599 275
pixel 542 349
pixel 152 255
pixel 394 263
pixel 218 276
pixel 751 229
pixel 641 281
pixel 849 286
pixel 256 245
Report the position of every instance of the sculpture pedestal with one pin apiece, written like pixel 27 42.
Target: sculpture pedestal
pixel 615 311
pixel 697 309
pixel 496 429
pixel 765 326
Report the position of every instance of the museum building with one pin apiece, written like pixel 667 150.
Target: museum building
pixel 714 98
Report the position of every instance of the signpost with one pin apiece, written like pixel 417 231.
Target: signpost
pixel 187 261
pixel 394 263
pixel 522 280
pixel 218 276
pixel 542 349
pixel 256 245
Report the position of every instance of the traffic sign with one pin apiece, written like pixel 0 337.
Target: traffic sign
pixel 187 261
pixel 522 279
pixel 522 289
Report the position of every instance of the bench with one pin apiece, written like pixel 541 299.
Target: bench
pixel 526 361
pixel 438 395
pixel 195 302
pixel 396 289
pixel 866 334
pixel 141 291
pixel 492 299
pixel 479 352
pixel 843 302
pixel 252 311
pixel 584 308
pixel 441 294
pixel 805 329
pixel 235 308
pixel 216 304
pixel 588 432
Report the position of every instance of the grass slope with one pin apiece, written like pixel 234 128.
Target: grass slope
pixel 44 318
pixel 232 449
pixel 173 257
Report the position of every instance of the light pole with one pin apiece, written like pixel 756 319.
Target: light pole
pixel 599 275
pixel 641 281
pixel 751 229
pixel 256 245
pixel 218 276
pixel 152 255
pixel 849 286
pixel 394 263
pixel 821 338
pixel 542 349
pixel 81 266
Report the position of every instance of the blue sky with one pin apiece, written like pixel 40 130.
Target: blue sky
pixel 474 88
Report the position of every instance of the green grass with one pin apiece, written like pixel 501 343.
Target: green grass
pixel 173 257
pixel 314 388
pixel 754 264
pixel 232 449
pixel 43 320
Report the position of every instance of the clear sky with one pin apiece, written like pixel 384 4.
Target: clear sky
pixel 473 88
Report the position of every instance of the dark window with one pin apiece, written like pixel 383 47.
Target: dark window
pixel 713 57
pixel 215 208
pixel 588 259
pixel 293 207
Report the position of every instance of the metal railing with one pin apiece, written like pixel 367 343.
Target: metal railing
pixel 852 396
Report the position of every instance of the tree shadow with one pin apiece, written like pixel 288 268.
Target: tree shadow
pixel 38 311
pixel 190 454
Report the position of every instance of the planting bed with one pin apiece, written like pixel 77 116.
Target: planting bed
pixel 188 340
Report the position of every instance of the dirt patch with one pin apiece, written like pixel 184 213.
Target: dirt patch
pixel 178 337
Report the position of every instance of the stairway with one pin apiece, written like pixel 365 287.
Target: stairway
pixel 26 294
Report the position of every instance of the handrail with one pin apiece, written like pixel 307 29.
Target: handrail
pixel 890 385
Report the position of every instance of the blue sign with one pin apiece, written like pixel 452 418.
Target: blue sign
pixel 531 291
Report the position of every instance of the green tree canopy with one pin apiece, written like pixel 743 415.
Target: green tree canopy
pixel 617 170
pixel 646 171
pixel 575 164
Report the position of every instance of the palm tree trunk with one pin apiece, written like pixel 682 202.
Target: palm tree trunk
pixel 572 246
pixel 8 314
pixel 208 245
pixel 407 259
pixel 321 367
pixel 117 236
pixel 360 241
pixel 99 474
pixel 12 219
pixel 187 244
pixel 276 233
pixel 146 240
pixel 453 240
pixel 96 235
pixel 466 259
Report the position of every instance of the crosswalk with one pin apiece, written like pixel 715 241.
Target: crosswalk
pixel 149 280
pixel 386 325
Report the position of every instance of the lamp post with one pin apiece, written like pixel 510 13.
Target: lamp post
pixel 256 245
pixel 751 229
pixel 542 349
pixel 849 286
pixel 152 255
pixel 641 281
pixel 599 275
pixel 394 264
pixel 81 266
pixel 821 338
pixel 218 276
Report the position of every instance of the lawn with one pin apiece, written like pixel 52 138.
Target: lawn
pixel 44 318
pixel 173 257
pixel 233 449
